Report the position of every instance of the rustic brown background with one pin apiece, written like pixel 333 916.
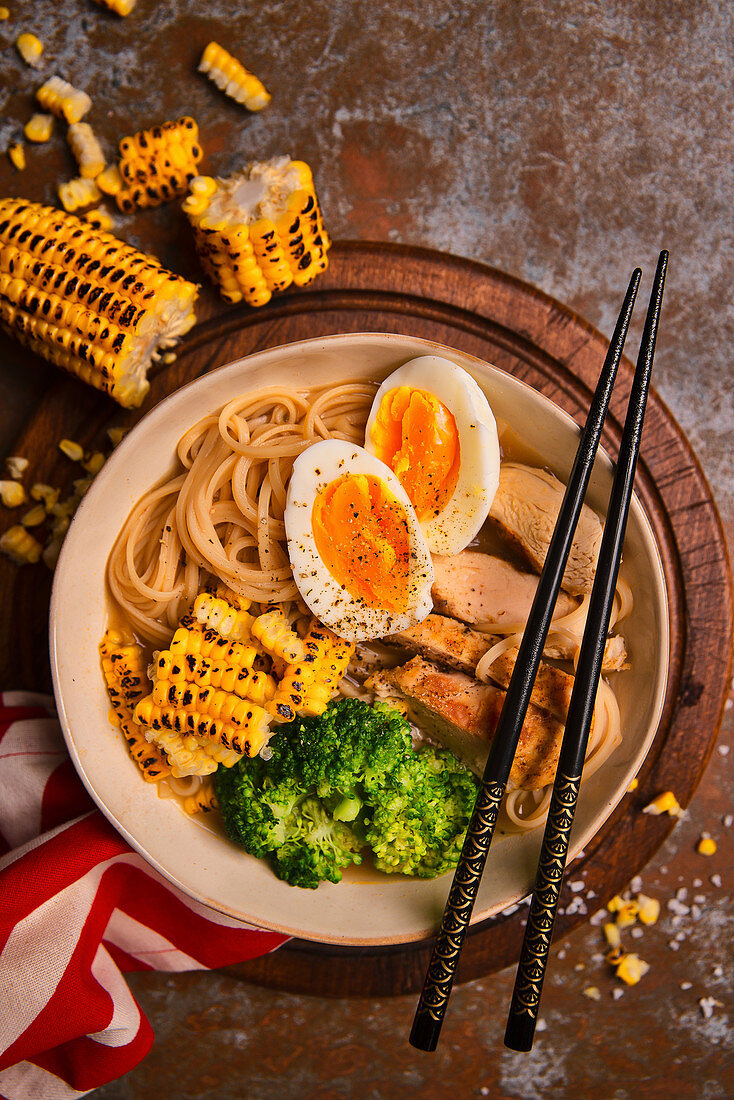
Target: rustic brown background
pixel 563 143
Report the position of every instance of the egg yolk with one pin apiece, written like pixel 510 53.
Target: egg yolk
pixel 416 436
pixel 361 534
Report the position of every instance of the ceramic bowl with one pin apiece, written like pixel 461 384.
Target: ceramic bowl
pixel 365 908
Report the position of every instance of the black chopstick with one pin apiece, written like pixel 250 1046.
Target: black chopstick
pixel 549 879
pixel 462 895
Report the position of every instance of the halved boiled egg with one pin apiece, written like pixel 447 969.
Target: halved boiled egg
pixel 432 425
pixel 359 557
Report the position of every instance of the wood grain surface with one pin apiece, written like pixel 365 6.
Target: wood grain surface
pixel 391 288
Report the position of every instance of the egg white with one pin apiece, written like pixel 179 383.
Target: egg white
pixel 466 510
pixel 347 616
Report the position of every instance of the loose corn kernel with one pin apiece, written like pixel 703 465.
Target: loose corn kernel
pixel 20 545
pixel 116 435
pixel 34 516
pixel 631 968
pixel 615 904
pixel 592 992
pixel 39 128
pixel 77 193
pixel 45 493
pixel 16 465
pixel 665 803
pixel 706 846
pixel 94 462
pixel 30 49
pixel 86 149
pixel 71 449
pixel 633 785
pixel 627 914
pixel 16 153
pixel 648 909
pixel 231 77
pixel 12 494
pixel 99 218
pixel 110 181
pixel 611 934
pixel 60 98
pixel 120 7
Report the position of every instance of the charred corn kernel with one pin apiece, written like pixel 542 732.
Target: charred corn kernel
pixel 110 181
pixel 16 153
pixel 648 909
pixel 231 77
pixel 94 462
pixel 63 100
pixel 631 968
pixel 665 803
pixel 34 516
pixel 39 128
pixel 627 914
pixel 156 165
pixel 219 615
pixel 45 493
pixel 86 301
pixel 706 846
pixel 16 465
pixel 30 48
pixel 20 545
pixel 259 231
pixel 611 934
pixel 71 449
pixel 99 218
pixel 86 149
pixel 12 494
pixel 203 801
pixel 76 193
pixel 633 785
pixel 271 630
pixel 120 7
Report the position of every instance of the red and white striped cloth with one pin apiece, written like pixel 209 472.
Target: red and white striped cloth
pixel 77 908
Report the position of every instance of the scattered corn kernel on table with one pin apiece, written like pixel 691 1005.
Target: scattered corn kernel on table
pixel 562 146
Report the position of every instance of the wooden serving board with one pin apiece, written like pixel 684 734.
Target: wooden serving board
pixel 390 288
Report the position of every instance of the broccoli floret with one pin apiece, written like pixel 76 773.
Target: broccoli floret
pixel 347 780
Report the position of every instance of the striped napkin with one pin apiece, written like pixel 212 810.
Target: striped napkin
pixel 78 907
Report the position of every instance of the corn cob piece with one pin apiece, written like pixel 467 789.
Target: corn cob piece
pixel 309 684
pixel 86 301
pixel 30 49
pixel 20 546
pixel 158 164
pixel 259 231
pixel 231 77
pixel 120 7
pixel 86 149
pixel 62 99
pixel 39 128
pixel 203 801
pixel 110 181
pixel 123 668
pixel 219 615
pixel 76 193
pixel 16 153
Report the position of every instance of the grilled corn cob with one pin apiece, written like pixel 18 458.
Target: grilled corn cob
pixel 86 150
pixel 258 231
pixel 120 7
pixel 233 78
pixel 30 49
pixel 77 193
pixel 308 684
pixel 157 164
pixel 39 128
pixel 86 301
pixel 123 668
pixel 60 98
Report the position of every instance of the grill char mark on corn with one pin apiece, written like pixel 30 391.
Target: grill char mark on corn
pixel 86 301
